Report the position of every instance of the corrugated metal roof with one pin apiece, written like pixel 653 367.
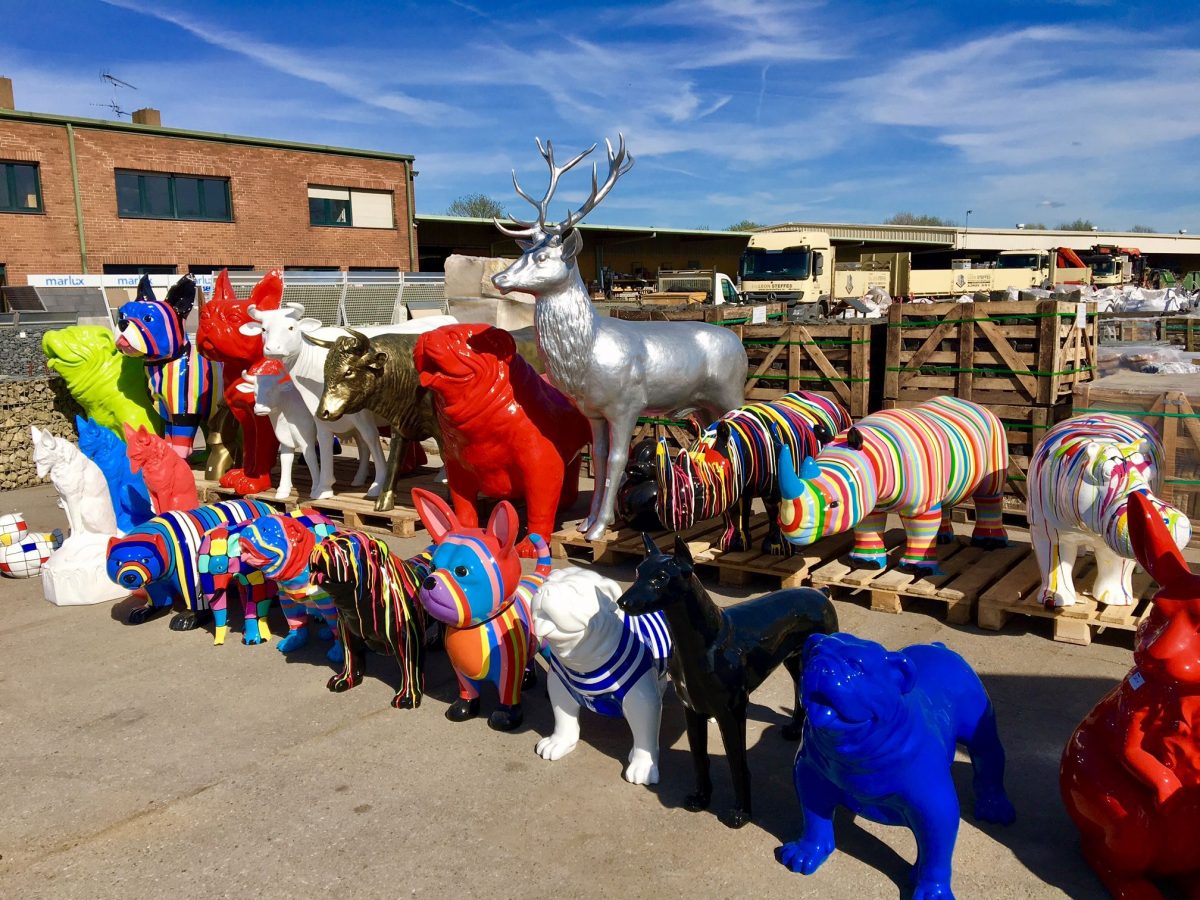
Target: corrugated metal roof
pixel 890 234
pixel 585 226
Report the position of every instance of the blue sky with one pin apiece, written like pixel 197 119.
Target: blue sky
pixel 761 109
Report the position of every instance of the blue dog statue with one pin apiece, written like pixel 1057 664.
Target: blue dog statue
pixel 128 491
pixel 879 739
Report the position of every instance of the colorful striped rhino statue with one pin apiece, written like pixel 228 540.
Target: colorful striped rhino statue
pixel 476 590
pixel 280 546
pixel 162 556
pixel 917 463
pixel 1081 477
pixel 734 460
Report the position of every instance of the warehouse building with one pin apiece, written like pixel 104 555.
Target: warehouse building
pixel 103 197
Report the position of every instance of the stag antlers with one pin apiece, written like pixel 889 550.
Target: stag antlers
pixel 618 164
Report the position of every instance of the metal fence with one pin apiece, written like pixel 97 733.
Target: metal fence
pixel 356 298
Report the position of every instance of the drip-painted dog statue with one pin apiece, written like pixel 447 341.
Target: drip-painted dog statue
pixel 734 460
pixel 476 590
pixel 1130 776
pixel 181 380
pixel 161 555
pixel 720 656
pixel 917 463
pixel 281 546
pixel 879 738
pixel 376 597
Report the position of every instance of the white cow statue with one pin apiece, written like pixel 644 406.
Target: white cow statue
pixel 1080 479
pixel 276 397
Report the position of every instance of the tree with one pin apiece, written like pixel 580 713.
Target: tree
pixel 744 225
pixel 1143 229
pixel 907 218
pixel 1036 226
pixel 1077 225
pixel 704 228
pixel 477 206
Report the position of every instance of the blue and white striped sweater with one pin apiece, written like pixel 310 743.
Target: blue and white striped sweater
pixel 645 644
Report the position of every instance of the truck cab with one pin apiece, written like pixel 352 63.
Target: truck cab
pixel 786 266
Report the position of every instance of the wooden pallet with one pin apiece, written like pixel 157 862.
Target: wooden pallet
pixel 350 508
pixel 966 572
pixel 1017 593
pixel 733 568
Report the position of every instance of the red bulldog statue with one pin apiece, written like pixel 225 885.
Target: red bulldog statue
pixel 220 340
pixel 1130 775
pixel 506 432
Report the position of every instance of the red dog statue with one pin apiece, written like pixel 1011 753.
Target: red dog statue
pixel 1130 774
pixel 506 432
pixel 168 477
pixel 220 340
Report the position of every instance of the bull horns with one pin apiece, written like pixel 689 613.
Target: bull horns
pixel 324 343
pixel 361 341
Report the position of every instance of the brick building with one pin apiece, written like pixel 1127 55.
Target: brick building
pixel 102 197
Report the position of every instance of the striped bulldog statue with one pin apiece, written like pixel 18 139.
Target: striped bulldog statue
pixel 604 661
pixel 917 463
pixel 1081 477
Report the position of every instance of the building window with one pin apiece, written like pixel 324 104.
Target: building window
pixel 20 188
pixel 135 269
pixel 348 208
pixel 201 269
pixel 151 195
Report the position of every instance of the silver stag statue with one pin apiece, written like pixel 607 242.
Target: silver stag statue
pixel 614 370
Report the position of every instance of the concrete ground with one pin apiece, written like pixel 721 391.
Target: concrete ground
pixel 138 762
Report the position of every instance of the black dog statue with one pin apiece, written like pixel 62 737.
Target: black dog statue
pixel 721 655
pixel 637 500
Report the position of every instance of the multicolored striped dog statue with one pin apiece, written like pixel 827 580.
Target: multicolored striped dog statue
pixel 476 590
pixel 734 460
pixel 917 463
pixel 162 556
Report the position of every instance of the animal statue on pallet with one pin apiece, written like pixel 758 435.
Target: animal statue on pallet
pixel 602 660
pixel 82 490
pixel 880 735
pixel 1081 477
pixel 181 380
pixel 734 461
pixel 110 386
pixel 168 479
pixel 476 590
pixel 720 655
pixel 375 593
pixel 221 340
pixel 275 397
pixel 161 557
pixel 507 434
pixel 376 375
pixel 613 370
pixel 126 489
pixel 283 332
pixel 917 463
pixel 280 546
pixel 224 439
pixel 1130 775
pixel 637 500
pixel 23 553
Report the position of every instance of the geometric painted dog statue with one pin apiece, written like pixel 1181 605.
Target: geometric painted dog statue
pixel 477 591
pixel 181 380
pixel 1130 776
pixel 879 739
pixel 219 562
pixel 280 547
pixel 1081 477
pixel 917 463
pixel 734 461
pixel 161 555
pixel 377 608
pixel 130 497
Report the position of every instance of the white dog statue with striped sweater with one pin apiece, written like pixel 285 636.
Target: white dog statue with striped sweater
pixel 601 659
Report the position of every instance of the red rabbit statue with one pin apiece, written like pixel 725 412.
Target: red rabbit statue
pixel 506 432
pixel 1130 774
pixel 220 340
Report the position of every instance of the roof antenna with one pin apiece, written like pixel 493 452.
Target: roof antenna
pixel 115 83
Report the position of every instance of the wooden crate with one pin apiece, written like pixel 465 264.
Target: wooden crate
pixel 1018 353
pixel 1169 404
pixel 1142 328
pixel 833 360
pixel 1181 330
pixel 1017 594
pixel 1024 427
pixel 966 573
pixel 703 541
pixel 724 314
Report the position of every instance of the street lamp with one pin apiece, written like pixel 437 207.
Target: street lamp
pixel 967 219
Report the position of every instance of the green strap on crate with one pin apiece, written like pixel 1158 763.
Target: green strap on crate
pixel 652 421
